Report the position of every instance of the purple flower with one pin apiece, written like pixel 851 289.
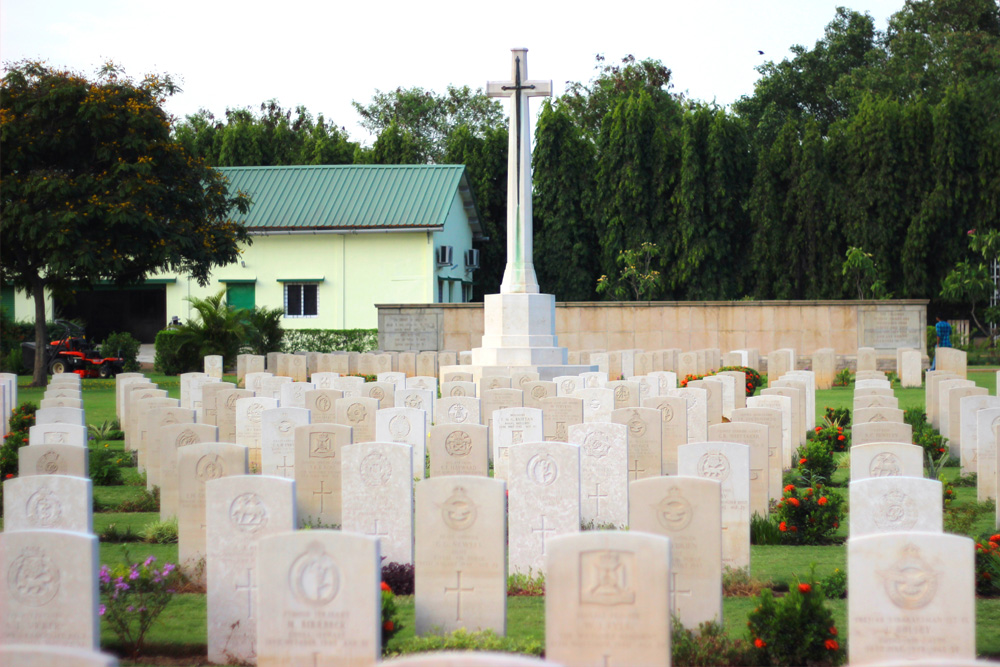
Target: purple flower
pixel 168 568
pixel 133 575
pixel 149 561
pixel 101 610
pixel 130 608
pixel 105 575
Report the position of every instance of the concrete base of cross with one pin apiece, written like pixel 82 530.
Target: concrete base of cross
pixel 546 373
pixel 519 330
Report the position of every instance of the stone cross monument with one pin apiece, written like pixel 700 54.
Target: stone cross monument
pixel 519 327
pixel 519 274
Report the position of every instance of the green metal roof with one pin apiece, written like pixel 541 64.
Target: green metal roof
pixel 352 197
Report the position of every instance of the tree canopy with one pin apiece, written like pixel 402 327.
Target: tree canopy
pixel 94 188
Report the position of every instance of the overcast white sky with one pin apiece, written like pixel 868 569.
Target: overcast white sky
pixel 325 54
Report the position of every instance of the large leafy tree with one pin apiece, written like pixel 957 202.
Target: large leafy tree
pixel 94 188
pixel 429 117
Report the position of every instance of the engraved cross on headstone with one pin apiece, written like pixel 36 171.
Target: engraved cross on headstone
pixel 250 587
pixel 284 467
pixel 635 470
pixel 544 531
pixel 519 274
pixel 596 497
pixel 322 493
pixel 674 592
pixel 376 533
pixel 458 590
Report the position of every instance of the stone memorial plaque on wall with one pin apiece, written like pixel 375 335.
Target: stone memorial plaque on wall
pixel 883 327
pixel 402 330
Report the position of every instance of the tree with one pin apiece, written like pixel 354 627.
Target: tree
pixel 94 188
pixel 563 167
pixel 430 117
pixel 220 329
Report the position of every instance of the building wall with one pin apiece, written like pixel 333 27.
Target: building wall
pixel 458 235
pixel 765 325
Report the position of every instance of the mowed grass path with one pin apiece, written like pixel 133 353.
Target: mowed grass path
pixel 182 630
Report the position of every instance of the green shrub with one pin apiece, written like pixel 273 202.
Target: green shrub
pixel 835 585
pixel 832 436
pixel 842 416
pixel 171 358
pixel 160 532
pixel 390 615
pixel 843 378
pixel 145 501
pixel 104 470
pixel 113 534
pixel 708 647
pixel 754 378
pixel 12 361
pixel 797 629
pixel 935 445
pixel 811 516
pixel 463 640
pixel 764 530
pixel 329 340
pixel 22 418
pixel 122 345
pixel 816 462
pixel 264 332
pixel 529 584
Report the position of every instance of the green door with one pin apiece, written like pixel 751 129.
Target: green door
pixel 240 295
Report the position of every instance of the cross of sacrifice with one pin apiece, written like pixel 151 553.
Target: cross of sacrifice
pixel 458 590
pixel 285 466
pixel 250 587
pixel 519 274
pixel 544 531
pixel 322 493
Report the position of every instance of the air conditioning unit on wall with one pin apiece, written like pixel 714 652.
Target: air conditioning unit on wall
pixel 444 255
pixel 472 259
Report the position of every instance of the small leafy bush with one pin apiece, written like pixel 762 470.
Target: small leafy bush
pixel 754 379
pixel 816 461
pixel 22 418
pixel 968 480
pixel 835 585
pixel 832 435
pixel 160 532
pixel 390 615
pixel 988 565
pixel 463 640
pixel 114 534
pixel 934 444
pixel 264 332
pixel 809 517
pixel 797 629
pixel 122 345
pixel 843 378
pixel 520 583
pixel 144 501
pixel 399 577
pixel 709 647
pixel 104 470
pixel 133 597
pixel 173 359
pixel 764 530
pixel 842 416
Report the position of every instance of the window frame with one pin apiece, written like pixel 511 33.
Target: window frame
pixel 300 286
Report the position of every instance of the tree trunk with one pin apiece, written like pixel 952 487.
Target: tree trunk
pixel 40 377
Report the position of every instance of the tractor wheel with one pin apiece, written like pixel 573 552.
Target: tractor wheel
pixel 58 366
pixel 105 371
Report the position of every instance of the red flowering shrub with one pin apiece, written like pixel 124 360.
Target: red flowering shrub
pixel 833 435
pixel 797 629
pixel 754 379
pixel 988 565
pixel 390 615
pixel 808 516
pixel 22 418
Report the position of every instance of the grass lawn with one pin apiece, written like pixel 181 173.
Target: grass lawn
pixel 181 630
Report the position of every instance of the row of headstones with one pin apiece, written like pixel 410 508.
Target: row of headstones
pixel 912 592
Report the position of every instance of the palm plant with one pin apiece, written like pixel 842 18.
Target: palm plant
pixel 218 328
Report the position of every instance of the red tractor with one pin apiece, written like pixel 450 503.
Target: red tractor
pixel 71 352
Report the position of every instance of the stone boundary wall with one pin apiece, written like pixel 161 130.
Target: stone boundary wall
pixel 805 326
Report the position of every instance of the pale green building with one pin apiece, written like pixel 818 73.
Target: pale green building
pixel 329 242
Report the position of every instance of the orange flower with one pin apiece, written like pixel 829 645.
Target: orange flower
pixel 819 428
pixel 822 500
pixel 782 527
pixel 794 501
pixel 759 643
pixel 802 461
pixel 833 631
pixel 805 588
pixel 790 487
pixel 385 587
pixel 389 626
pixel 840 437
pixel 793 529
pixel 831 644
